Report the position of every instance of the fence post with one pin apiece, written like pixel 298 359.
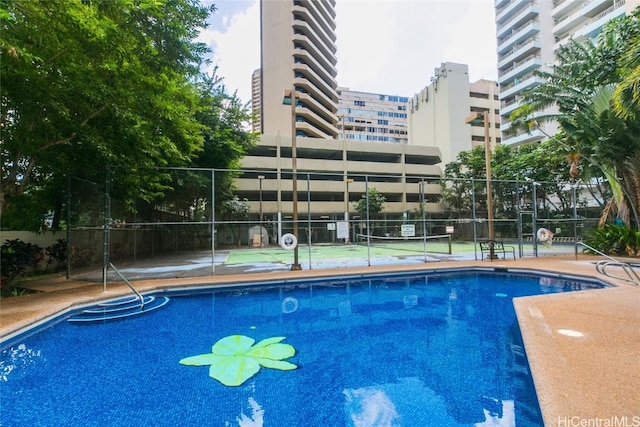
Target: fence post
pixel 366 192
pixel 106 228
pixel 473 216
pixel 213 222
pixel 424 219
pixel 68 273
pixel 309 216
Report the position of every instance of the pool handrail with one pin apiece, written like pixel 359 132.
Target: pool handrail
pixel 104 276
pixel 602 264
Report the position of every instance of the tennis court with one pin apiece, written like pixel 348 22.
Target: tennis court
pixel 378 252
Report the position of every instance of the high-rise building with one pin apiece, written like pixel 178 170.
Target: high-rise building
pixel 298 50
pixel 298 47
pixel 528 34
pixel 375 117
pixel 437 113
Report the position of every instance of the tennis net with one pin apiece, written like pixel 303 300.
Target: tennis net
pixel 415 244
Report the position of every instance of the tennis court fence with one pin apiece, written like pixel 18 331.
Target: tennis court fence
pixel 197 216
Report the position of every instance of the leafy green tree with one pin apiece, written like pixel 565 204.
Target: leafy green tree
pixel 581 85
pixel 90 83
pixel 226 142
pixel 627 94
pixel 376 203
pixel 457 188
pixel 545 163
pixel 235 209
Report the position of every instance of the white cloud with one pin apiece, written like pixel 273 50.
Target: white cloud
pixel 392 47
pixel 384 46
pixel 235 39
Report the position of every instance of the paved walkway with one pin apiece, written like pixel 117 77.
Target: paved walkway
pixel 583 347
pixel 318 257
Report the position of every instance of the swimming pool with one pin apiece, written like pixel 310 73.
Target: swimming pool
pixel 437 349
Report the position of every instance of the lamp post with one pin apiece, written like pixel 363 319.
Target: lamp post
pixel 260 178
pixel 290 96
pixel 534 218
pixel 473 119
pixel 347 181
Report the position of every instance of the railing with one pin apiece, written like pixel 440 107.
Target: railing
pixel 632 276
pixel 104 282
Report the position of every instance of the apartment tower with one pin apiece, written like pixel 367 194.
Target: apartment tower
pixel 528 33
pixel 298 50
pixel 372 117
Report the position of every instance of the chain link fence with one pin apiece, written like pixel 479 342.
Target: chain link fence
pixel 192 231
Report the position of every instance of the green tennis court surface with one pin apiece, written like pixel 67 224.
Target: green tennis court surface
pixel 334 252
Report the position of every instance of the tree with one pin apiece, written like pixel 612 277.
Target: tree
pixel 235 209
pixel 225 140
pixel 376 203
pixel 627 94
pixel 90 83
pixel 544 163
pixel 581 85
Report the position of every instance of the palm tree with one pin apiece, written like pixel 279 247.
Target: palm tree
pixel 581 86
pixel 626 98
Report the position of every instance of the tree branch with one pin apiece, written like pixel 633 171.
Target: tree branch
pixel 73 134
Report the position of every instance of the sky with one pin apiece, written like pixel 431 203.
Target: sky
pixel 388 47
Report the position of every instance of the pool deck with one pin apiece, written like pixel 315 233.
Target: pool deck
pixel 583 347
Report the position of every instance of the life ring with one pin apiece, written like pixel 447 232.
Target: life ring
pixel 544 235
pixel 288 241
pixel 289 305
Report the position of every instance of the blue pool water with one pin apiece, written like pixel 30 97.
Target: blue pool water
pixel 400 350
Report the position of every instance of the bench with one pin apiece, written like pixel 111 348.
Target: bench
pixel 498 247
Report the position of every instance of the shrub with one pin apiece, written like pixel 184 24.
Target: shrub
pixel 615 239
pixel 80 256
pixel 57 254
pixel 17 258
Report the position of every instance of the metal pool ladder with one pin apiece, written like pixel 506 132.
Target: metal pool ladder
pixel 632 275
pixel 104 282
pixel 120 308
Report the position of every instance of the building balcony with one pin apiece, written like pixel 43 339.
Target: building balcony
pixel 320 37
pixel 507 11
pixel 316 99
pixel 328 75
pixel 522 11
pixel 315 78
pixel 313 130
pixel 592 27
pixel 519 69
pixel 594 7
pixel 500 4
pixel 509 107
pixel 524 138
pixel 520 51
pixel 564 7
pixel 569 22
pixel 519 85
pixel 518 35
pixel 319 55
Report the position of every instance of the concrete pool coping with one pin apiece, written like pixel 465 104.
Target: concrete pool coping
pixel 578 379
